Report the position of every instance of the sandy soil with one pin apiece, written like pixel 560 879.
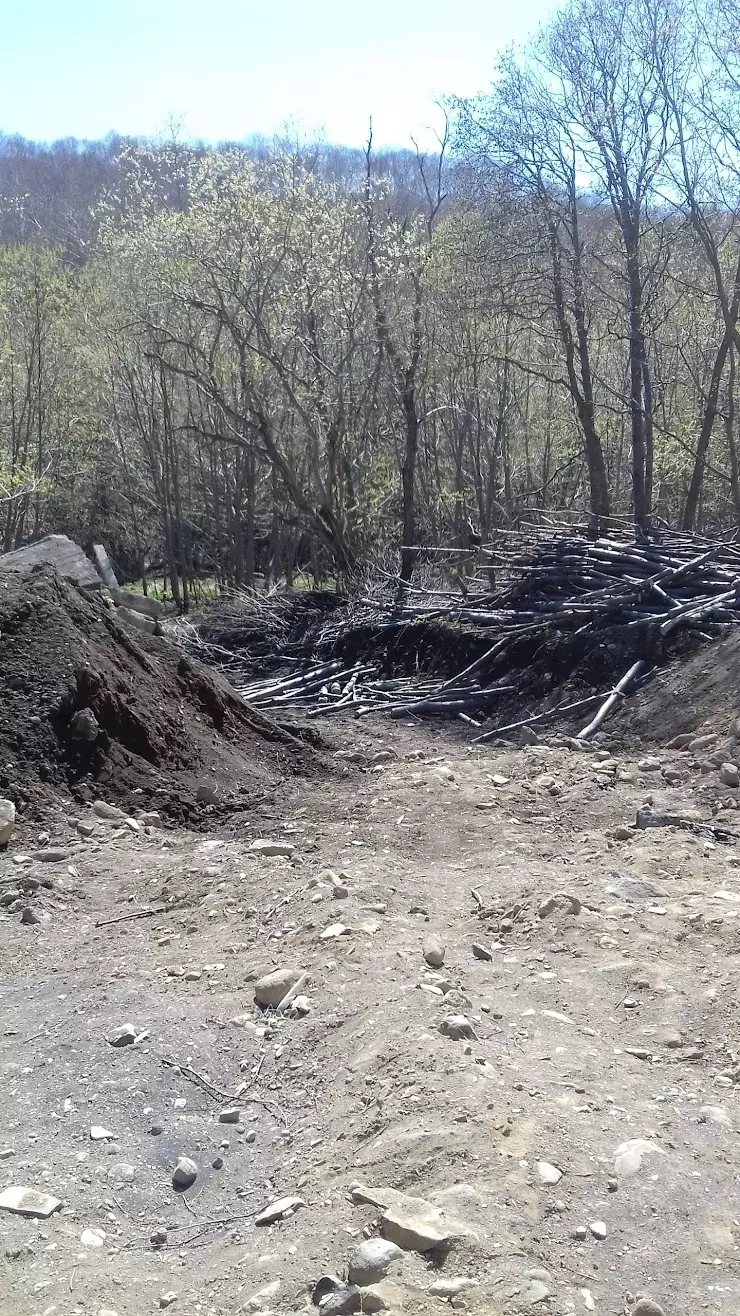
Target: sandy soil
pixel 616 1024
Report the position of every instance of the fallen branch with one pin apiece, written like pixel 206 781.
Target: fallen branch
pixel 617 693
pixel 137 913
pixel 538 717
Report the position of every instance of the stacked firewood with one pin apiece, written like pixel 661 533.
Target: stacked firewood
pixel 566 606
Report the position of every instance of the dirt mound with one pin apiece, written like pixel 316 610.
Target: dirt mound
pixel 94 708
pixel 696 693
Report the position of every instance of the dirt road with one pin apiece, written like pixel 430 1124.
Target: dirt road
pixel 580 1138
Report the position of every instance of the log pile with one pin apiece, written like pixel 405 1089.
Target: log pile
pixel 574 626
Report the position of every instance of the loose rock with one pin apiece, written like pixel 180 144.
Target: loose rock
pixel 433 951
pixel 456 1026
pixel 263 1299
pixel 270 848
pixel 342 1300
pixel 84 726
pixel 231 1115
pixel 93 1237
pixel 411 1222
pixel 284 1206
pixel 271 989
pixel 629 1156
pixel 385 1296
pixel 7 820
pixel 714 1115
pixel 27 1201
pixel 370 1261
pixel 185 1172
pixel 125 1035
pixel 108 811
pixel 646 1307
pixel 450 1288
pixel 481 952
pixel 549 1174
pixel 122 1173
pixel 334 930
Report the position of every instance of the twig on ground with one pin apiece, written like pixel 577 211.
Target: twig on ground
pixel 137 913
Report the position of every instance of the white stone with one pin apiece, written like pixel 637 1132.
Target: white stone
pixel 93 1237
pixel 334 930
pixel 108 811
pixel 278 1210
pixel 7 820
pixel 629 1155
pixel 370 1261
pixel 714 1115
pixel 27 1201
pixel 269 848
pixel 549 1174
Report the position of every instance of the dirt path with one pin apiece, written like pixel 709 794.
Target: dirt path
pixel 613 1025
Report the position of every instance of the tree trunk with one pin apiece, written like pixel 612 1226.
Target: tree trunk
pixel 409 549
pixel 688 520
pixel 637 366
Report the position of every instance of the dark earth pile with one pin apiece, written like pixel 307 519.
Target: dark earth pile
pixel 699 694
pixel 92 707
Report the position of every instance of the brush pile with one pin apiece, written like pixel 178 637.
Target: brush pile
pixel 571 622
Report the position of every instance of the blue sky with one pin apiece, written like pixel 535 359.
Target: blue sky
pixel 229 68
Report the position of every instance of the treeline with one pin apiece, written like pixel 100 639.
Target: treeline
pixel 267 358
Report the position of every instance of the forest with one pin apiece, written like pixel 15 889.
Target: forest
pixel 246 362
